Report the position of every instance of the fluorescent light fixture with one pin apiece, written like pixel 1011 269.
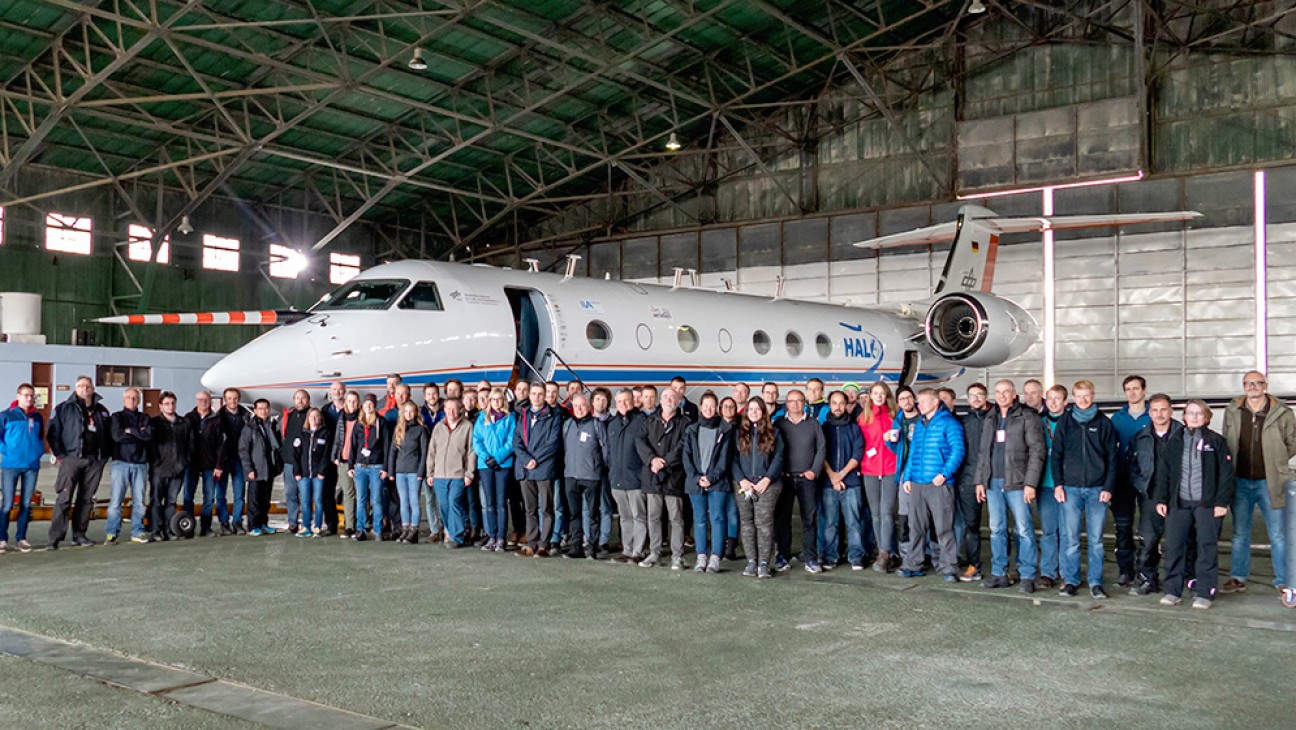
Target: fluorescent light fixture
pixel 976 8
pixel 1261 277
pixel 673 144
pixel 416 62
pixel 1062 186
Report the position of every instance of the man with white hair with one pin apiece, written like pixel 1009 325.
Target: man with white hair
pixel 131 434
pixel 661 446
pixel 583 469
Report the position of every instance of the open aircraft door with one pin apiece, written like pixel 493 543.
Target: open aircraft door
pixel 533 334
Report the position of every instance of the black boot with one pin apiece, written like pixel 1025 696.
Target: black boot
pixel 730 549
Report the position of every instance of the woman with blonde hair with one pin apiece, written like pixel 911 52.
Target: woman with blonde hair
pixel 406 464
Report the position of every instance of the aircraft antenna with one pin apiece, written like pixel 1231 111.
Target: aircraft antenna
pixel 694 278
pixel 679 277
pixel 572 258
pixel 533 265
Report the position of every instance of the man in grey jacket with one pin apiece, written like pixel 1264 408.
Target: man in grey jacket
pixel 583 469
pixel 1008 470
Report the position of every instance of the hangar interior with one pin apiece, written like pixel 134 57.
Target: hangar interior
pixel 197 156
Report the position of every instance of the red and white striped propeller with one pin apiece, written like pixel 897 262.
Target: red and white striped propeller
pixel 251 317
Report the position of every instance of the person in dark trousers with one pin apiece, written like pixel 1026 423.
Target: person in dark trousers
pixel 343 434
pixel 208 434
pixel 624 470
pixel 936 453
pixel 583 469
pixel 22 444
pixel 169 455
pixel 1009 466
pixel 841 488
pixel 262 456
pixel 877 469
pixel 290 426
pixel 680 386
pixel 1193 488
pixel 233 419
pixel 332 411
pixel 131 434
pixel 311 451
pixel 601 410
pixel 536 443
pixel 1145 455
pixel 900 439
pixel 756 471
pixel 432 412
pixel 1084 458
pixel 1129 420
pixel 967 520
pixel 368 452
pixel 803 457
pixel 661 446
pixel 79 438
pixel 708 448
pixel 407 464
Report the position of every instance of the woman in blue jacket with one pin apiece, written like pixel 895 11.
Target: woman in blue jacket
pixel 22 444
pixel 756 472
pixel 493 444
pixel 706 467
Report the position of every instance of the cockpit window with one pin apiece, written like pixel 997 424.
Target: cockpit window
pixel 366 294
pixel 423 297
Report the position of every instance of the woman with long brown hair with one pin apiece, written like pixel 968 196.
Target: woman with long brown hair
pixel 878 465
pixel 757 467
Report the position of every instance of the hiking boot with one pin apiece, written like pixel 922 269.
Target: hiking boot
pixel 1027 586
pixel 996 581
pixel 730 549
pixel 1144 588
pixel 1045 582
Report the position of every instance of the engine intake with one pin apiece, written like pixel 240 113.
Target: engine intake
pixel 976 329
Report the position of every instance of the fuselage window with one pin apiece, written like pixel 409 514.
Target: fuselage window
pixel 761 342
pixel 726 340
pixel 793 344
pixel 367 294
pixel 598 334
pixel 823 345
pixel 644 336
pixel 688 338
pixel 424 297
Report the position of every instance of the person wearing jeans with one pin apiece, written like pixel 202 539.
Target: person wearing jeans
pixel 368 452
pixel 233 420
pixel 756 468
pixel 311 450
pixel 1084 470
pixel 1261 435
pixel 1007 477
pixel 707 453
pixel 840 488
pixel 493 444
pixel 1050 510
pixel 878 470
pixel 407 463
pixel 451 466
pixel 131 434
pixel 204 464
pixel 22 444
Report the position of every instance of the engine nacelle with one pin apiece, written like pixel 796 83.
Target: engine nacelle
pixel 978 330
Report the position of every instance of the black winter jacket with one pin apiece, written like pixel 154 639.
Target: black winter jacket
pixel 131 434
pixel 290 425
pixel 372 439
pixel 1145 453
pixel 233 424
pixel 721 455
pixel 68 425
pixel 621 450
pixel 1024 451
pixel 1085 454
pixel 410 457
pixel 662 439
pixel 209 440
pixel 1218 483
pixel 172 446
pixel 311 452
pixel 974 422
pixel 260 451
pixel 753 464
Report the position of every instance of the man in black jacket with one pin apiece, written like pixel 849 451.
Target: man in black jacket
pixel 661 447
pixel 79 438
pixel 169 454
pixel 259 450
pixel 233 419
pixel 1084 477
pixel 290 426
pixel 803 457
pixel 625 469
pixel 131 434
pixel 967 518
pixel 208 434
pixel 1145 454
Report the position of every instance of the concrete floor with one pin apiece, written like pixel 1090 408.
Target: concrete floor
pixel 424 636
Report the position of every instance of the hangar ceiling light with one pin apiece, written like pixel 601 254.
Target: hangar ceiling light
pixel 673 144
pixel 976 8
pixel 416 62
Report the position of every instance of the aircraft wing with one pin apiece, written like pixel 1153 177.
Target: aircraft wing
pixel 252 317
pixel 938 233
pixel 1026 224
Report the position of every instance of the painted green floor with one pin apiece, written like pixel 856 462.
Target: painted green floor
pixel 429 637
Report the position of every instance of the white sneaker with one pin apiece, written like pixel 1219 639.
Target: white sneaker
pixel 4 547
pixel 24 546
pixel 713 565
pixel 1202 603
pixel 701 564
pixel 649 562
pixel 1170 599
pixel 677 563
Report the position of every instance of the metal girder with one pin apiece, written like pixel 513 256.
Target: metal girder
pixel 760 162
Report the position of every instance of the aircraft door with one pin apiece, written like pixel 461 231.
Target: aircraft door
pixel 533 331
pixel 909 372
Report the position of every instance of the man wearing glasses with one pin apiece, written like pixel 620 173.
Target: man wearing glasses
pixel 1261 433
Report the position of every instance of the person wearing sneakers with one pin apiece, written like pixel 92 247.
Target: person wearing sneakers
pixel 343 430
pixel 261 453
pixel 451 467
pixel 1007 480
pixel 707 452
pixel 1261 434
pixel 1145 454
pixel 79 438
pixel 407 464
pixel 368 457
pixel 1193 488
pixel 967 508
pixel 22 444
pixel 204 466
pixel 1084 471
pixel 169 452
pixel 290 426
pixel 493 444
pixel 936 453
pixel 756 471
pixel 840 489
pixel 661 447
pixel 803 458
pixel 583 468
pixel 624 476
pixel 536 442
pixel 311 451
pixel 899 439
pixel 131 433
pixel 1050 510
pixel 878 468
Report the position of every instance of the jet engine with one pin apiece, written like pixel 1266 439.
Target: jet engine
pixel 977 329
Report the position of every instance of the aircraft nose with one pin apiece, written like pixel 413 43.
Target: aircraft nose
pixel 281 356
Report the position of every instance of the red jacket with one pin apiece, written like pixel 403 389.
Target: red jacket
pixel 878 459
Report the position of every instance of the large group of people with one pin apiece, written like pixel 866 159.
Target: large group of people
pixel 880 479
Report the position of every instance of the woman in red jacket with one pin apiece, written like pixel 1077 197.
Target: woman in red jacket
pixel 878 468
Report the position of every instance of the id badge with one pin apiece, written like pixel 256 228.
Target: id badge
pixel 365 453
pixel 91 426
pixel 1000 435
pixel 871 453
pixel 584 437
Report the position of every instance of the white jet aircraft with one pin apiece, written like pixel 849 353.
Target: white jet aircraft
pixel 431 321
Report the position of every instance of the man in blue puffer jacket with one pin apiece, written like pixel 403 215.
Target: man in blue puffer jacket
pixel 935 455
pixel 22 444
